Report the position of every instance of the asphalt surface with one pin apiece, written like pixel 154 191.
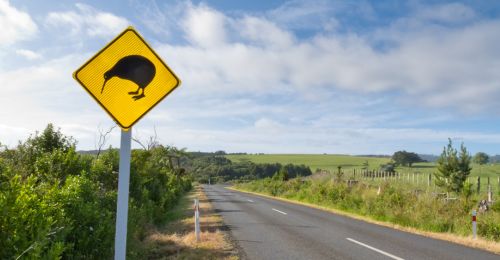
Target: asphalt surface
pixel 271 229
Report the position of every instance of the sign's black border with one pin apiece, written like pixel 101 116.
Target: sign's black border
pixel 75 76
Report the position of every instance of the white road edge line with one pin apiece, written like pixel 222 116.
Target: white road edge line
pixel 375 249
pixel 284 213
pixel 250 200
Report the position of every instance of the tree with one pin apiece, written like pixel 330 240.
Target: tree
pixel 281 175
pixel 453 168
pixel 388 167
pixel 365 165
pixel 150 143
pixel 481 158
pixel 103 138
pixel 50 139
pixel 340 173
pixel 405 158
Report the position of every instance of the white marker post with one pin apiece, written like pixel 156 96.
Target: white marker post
pixel 123 190
pixel 474 227
pixel 197 219
pixel 490 194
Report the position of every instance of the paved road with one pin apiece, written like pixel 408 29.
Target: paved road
pixel 271 229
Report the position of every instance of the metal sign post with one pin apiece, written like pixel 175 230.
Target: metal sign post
pixel 127 79
pixel 123 189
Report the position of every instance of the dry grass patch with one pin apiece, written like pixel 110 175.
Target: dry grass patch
pixel 177 240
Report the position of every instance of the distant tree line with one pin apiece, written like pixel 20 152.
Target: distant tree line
pixel 495 159
pixel 218 168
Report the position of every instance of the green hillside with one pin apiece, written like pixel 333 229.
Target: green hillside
pixel 322 161
pixel 331 162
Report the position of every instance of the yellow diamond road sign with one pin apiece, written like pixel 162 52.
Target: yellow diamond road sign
pixel 127 78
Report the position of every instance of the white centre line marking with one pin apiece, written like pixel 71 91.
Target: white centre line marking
pixel 375 249
pixel 284 213
pixel 250 200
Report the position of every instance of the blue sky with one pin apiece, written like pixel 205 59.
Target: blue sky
pixel 350 77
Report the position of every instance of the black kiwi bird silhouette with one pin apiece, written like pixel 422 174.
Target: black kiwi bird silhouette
pixel 135 68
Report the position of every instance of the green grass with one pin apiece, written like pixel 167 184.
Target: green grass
pixel 349 163
pixel 322 161
pixel 331 162
pixel 179 210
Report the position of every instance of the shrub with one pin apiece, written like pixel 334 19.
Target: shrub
pixel 56 203
pixel 488 226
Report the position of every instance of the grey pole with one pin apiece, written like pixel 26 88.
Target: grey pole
pixel 122 202
pixel 197 219
pixel 474 224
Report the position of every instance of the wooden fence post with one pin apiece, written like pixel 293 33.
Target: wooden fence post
pixel 490 194
pixel 478 184
pixel 429 181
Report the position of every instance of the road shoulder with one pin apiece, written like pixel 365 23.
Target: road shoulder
pixel 176 239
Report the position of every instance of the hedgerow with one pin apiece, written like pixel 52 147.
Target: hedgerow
pixel 57 203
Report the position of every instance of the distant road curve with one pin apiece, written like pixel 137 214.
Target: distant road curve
pixel 271 229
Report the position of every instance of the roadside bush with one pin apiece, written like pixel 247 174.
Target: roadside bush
pixel 29 222
pixel 496 206
pixel 488 226
pixel 56 203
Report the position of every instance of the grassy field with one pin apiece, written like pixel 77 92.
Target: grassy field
pixel 350 163
pixel 322 161
pixel 331 162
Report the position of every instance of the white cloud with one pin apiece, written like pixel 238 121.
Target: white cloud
pixel 16 25
pixel 28 54
pixel 36 95
pixel 432 66
pixel 264 32
pixel 251 84
pixel 307 14
pixel 160 18
pixel 268 126
pixel 447 13
pixel 87 20
pixel 302 139
pixel 11 134
pixel 204 26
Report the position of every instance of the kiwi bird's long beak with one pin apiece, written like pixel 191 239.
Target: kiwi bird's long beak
pixel 103 84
